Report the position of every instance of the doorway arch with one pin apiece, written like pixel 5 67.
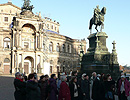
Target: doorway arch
pixel 28 65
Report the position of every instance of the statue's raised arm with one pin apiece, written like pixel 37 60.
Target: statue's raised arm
pixel 98 18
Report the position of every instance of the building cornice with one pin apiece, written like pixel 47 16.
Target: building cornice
pixel 9 3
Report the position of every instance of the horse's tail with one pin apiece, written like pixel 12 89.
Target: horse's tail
pixel 90 24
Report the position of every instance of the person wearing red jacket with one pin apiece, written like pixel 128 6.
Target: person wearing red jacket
pixel 64 92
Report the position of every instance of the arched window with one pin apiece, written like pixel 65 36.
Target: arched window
pixel 6 60
pixel 7 43
pixel 50 46
pixel 63 47
pixel 57 47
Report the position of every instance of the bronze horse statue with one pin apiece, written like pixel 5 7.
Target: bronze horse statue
pixel 98 20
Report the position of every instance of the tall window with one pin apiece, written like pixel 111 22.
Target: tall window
pixel 63 47
pixel 7 43
pixel 43 45
pixel 68 48
pixel 50 46
pixel 6 19
pixel 57 47
pixel 52 26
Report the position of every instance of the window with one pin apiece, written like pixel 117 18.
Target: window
pixel 6 60
pixel 7 43
pixel 55 28
pixel 68 48
pixel 48 26
pixel 50 46
pixel 63 47
pixel 26 45
pixel 6 19
pixel 43 45
pixel 57 47
pixel 51 26
pixel 50 69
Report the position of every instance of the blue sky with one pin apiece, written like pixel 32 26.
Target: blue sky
pixel 74 16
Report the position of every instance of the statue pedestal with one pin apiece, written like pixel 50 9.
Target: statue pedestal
pixel 98 58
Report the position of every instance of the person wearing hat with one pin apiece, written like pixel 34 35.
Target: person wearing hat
pixel 124 88
pixel 20 87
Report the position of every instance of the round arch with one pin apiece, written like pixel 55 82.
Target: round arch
pixel 28 64
pixel 29 25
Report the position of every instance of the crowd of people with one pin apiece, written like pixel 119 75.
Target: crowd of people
pixel 97 87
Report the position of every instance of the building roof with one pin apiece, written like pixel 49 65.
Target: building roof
pixel 9 3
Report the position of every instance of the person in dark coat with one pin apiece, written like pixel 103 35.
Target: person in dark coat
pixel 53 88
pixel 74 88
pixel 47 82
pixel 109 88
pixel 33 90
pixel 85 87
pixel 64 92
pixel 20 87
pixel 43 87
pixel 96 88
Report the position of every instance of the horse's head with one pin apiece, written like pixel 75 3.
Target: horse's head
pixel 103 11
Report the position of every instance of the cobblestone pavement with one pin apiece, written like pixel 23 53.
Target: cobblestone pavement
pixel 6 88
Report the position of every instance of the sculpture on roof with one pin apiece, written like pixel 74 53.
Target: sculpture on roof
pixel 26 5
pixel 98 18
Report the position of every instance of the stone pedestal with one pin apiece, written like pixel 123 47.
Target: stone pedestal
pixel 98 58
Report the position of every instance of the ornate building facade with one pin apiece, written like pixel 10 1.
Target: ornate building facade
pixel 30 43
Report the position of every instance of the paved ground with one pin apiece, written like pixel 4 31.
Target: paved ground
pixel 6 88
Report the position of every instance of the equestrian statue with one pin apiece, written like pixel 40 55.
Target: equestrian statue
pixel 98 18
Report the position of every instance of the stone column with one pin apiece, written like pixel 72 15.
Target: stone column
pixel 13 67
pixel 22 63
pixel 36 41
pixel 54 46
pixel 19 39
pixel 42 42
pixel 35 66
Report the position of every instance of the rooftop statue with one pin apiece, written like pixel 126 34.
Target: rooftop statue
pixel 98 18
pixel 26 5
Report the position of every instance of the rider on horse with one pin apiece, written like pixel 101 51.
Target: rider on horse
pixel 97 14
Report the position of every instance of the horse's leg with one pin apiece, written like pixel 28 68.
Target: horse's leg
pixel 102 26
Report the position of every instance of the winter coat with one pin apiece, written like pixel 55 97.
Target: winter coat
pixel 126 86
pixel 53 89
pixel 85 87
pixel 33 91
pixel 108 86
pixel 71 86
pixel 64 92
pixel 20 89
pixel 96 89
pixel 43 88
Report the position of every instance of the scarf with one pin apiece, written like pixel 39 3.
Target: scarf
pixel 19 79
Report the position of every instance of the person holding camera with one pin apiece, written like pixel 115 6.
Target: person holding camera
pixel 33 90
pixel 74 88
